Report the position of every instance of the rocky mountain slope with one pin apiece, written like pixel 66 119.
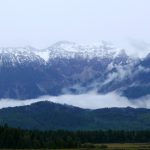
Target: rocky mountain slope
pixel 67 67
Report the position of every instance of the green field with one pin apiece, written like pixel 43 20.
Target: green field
pixel 125 146
pixel 117 146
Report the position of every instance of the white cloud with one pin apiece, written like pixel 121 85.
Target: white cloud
pixel 90 100
pixel 121 73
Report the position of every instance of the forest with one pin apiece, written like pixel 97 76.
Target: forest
pixel 16 138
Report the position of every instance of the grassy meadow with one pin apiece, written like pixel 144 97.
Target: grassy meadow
pixel 116 146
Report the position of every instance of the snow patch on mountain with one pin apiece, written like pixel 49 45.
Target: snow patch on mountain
pixel 44 54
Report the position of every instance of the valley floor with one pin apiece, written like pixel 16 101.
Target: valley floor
pixel 125 146
pixel 114 146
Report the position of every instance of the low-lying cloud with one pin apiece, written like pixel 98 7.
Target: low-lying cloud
pixel 90 100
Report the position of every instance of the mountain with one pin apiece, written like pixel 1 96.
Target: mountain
pixel 47 115
pixel 63 67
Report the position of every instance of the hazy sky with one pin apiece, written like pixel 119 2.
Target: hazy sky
pixel 40 23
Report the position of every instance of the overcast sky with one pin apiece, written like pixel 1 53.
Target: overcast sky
pixel 40 23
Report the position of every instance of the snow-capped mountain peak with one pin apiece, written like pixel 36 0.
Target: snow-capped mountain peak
pixel 70 50
pixel 62 49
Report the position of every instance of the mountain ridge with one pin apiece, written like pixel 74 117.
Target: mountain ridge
pixel 65 66
pixel 52 116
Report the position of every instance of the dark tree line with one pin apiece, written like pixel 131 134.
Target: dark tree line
pixel 18 138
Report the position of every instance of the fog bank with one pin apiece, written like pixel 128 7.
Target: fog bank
pixel 90 100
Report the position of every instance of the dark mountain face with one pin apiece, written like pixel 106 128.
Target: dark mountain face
pixel 46 115
pixel 66 67
pixel 35 80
